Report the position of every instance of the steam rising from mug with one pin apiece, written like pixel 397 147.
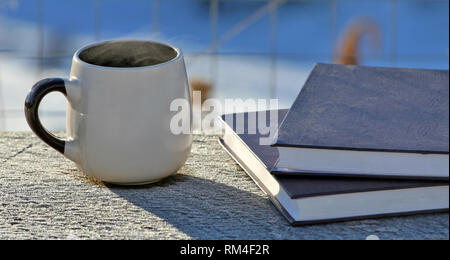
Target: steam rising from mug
pixel 127 54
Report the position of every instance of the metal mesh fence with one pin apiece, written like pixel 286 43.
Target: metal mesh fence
pixel 270 33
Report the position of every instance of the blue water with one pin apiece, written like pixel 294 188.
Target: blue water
pixel 422 30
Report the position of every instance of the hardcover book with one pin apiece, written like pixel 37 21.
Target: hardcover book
pixel 316 199
pixel 365 121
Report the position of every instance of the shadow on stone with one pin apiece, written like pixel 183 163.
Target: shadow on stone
pixel 204 209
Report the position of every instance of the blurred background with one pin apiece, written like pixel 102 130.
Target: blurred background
pixel 233 48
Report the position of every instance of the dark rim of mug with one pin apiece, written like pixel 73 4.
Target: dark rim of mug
pixel 77 58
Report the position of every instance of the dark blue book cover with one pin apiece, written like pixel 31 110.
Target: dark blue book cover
pixel 292 192
pixel 370 109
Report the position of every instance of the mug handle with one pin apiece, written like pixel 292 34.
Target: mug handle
pixel 32 101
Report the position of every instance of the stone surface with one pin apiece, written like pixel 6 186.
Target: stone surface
pixel 44 196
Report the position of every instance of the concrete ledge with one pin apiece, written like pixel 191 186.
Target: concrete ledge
pixel 44 196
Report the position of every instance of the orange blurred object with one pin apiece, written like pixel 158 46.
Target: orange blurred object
pixel 347 51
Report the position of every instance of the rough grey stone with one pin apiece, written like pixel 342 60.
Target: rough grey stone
pixel 44 196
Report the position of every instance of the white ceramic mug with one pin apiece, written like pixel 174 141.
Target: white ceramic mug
pixel 118 112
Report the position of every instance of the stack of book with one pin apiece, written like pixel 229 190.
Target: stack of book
pixel 357 142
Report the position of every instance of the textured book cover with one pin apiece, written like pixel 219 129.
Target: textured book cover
pixel 369 108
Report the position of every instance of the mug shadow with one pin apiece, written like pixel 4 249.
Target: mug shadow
pixel 204 209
